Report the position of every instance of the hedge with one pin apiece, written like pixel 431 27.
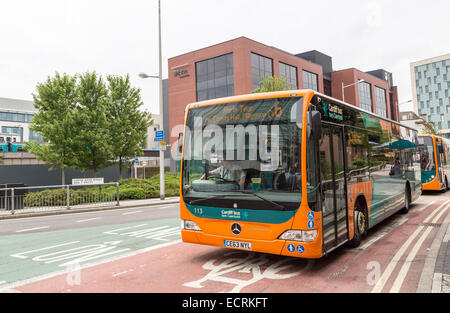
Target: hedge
pixel 130 188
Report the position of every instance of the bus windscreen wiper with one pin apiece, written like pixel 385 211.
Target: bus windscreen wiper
pixel 248 192
pixel 204 199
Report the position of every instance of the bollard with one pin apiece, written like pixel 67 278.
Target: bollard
pixel 68 196
pixel 12 201
pixel 118 194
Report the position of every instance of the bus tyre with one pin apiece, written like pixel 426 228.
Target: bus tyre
pixel 407 200
pixel 360 220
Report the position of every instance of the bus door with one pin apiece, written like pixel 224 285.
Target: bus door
pixel 333 186
pixel 440 161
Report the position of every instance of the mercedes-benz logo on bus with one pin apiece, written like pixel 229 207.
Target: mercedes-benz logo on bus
pixel 236 228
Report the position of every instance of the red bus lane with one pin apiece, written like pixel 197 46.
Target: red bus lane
pixel 390 259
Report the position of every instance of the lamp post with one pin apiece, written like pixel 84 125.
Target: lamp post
pixel 343 87
pixel 161 108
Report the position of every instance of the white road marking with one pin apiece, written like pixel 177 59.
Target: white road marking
pixel 9 288
pixel 87 220
pixel 113 232
pixel 397 223
pixel 22 256
pixel 391 266
pixel 30 229
pixel 405 268
pixel 121 273
pixel 134 212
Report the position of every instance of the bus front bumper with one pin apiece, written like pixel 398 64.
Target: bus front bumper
pixel 309 250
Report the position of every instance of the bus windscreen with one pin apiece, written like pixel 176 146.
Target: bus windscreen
pixel 245 154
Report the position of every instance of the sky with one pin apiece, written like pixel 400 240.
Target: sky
pixel 111 37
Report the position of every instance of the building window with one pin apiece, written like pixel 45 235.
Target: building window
pixel 261 67
pixel 34 137
pixel 215 78
pixel 365 96
pixel 289 73
pixel 310 80
pixel 15 117
pixel 13 131
pixel 380 101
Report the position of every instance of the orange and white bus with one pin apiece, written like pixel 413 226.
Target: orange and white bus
pixel 293 173
pixel 434 162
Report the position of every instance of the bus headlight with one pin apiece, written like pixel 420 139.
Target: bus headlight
pixel 189 225
pixel 309 235
pixel 299 235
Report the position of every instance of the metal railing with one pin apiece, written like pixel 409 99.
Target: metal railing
pixel 47 198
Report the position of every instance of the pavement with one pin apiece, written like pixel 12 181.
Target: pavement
pixel 30 212
pixel 435 276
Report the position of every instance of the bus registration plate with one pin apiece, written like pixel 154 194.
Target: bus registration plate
pixel 237 244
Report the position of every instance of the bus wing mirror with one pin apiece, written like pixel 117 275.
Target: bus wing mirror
pixel 441 149
pixel 316 125
pixel 180 142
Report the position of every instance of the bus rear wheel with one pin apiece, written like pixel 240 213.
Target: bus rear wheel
pixel 407 200
pixel 360 222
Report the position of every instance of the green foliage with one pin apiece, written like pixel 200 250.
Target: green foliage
pixel 87 123
pixel 429 129
pixel 58 197
pixel 123 110
pixel 272 83
pixel 91 140
pixel 132 193
pixel 56 103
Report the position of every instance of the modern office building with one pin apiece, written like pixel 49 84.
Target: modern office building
pixel 15 119
pixel 431 91
pixel 236 67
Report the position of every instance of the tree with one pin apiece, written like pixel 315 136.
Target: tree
pixel 272 83
pixel 56 103
pixel 127 128
pixel 91 139
pixel 429 129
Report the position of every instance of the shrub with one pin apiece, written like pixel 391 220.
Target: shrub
pixel 132 193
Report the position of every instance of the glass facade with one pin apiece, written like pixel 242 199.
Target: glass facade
pixel 16 117
pixel 432 87
pixel 261 66
pixel 365 96
pixel 215 77
pixel 380 101
pixel 310 80
pixel 289 73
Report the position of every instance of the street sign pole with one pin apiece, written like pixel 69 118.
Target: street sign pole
pixel 161 110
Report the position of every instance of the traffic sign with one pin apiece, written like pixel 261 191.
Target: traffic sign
pixel 159 135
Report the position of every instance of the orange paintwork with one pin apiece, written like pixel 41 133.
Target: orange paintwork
pixel 435 184
pixel 356 189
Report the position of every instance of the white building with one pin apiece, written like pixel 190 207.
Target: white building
pixel 15 119
pixel 411 119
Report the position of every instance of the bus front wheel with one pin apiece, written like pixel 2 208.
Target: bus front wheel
pixel 360 220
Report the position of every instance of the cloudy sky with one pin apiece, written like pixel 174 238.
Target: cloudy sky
pixel 40 37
